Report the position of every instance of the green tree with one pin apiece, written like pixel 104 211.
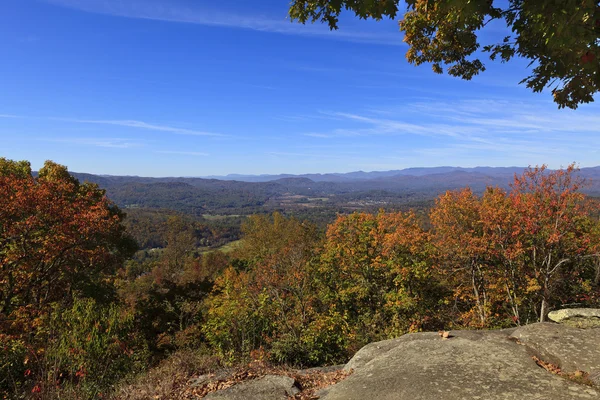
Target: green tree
pixel 168 294
pixel 91 347
pixel 181 244
pixel 560 38
pixel 271 300
pixel 374 270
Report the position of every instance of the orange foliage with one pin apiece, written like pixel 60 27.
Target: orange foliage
pixel 375 271
pixel 57 238
pixel 515 253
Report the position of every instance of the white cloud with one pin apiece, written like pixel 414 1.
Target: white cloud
pixel 475 130
pixel 317 156
pixel 183 153
pixel 485 121
pixel 141 125
pixel 98 142
pixel 167 10
pixel 10 116
pixel 125 123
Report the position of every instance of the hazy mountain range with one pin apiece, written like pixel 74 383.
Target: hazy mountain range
pixel 242 194
pixel 361 175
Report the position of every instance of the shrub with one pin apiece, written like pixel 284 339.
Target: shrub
pixel 323 342
pixel 91 348
pixel 13 368
pixel 239 320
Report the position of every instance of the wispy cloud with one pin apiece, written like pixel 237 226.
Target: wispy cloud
pixel 375 71
pixel 319 135
pixel 510 116
pixel 167 10
pixel 484 121
pixel 29 39
pixel 127 123
pixel 318 156
pixel 376 126
pixel 98 142
pixel 494 129
pixel 141 125
pixel 183 153
pixel 256 86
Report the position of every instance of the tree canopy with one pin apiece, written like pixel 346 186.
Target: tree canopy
pixel 58 239
pixel 560 38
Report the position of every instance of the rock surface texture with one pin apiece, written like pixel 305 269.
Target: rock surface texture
pixel 269 387
pixel 474 365
pixel 486 365
pixel 570 349
pixel 577 317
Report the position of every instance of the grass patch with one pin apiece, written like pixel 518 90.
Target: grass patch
pixel 226 248
pixel 210 217
pixel 189 374
pixel 170 379
pixel 229 247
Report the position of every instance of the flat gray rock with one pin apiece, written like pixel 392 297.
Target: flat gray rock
pixel 207 378
pixel 330 368
pixel 269 387
pixel 569 348
pixel 373 350
pixel 483 365
pixel 577 317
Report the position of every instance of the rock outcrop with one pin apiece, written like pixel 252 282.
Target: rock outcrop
pixel 568 348
pixel 269 387
pixel 477 365
pixel 577 317
pixel 546 361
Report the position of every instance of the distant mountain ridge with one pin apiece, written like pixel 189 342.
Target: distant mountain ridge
pixel 350 191
pixel 361 175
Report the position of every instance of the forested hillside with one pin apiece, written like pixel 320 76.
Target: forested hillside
pixel 83 315
pixel 338 192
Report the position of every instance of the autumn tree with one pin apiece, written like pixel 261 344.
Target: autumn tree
pixel 58 238
pixel 374 270
pixel 61 241
pixel 459 239
pixel 269 299
pixel 509 280
pixel 416 299
pixel 559 38
pixel 479 255
pixel 266 237
pixel 240 317
pixel 168 294
pixel 552 228
pixel 517 254
pixel 181 244
pixel 596 252
pixel 279 250
pixel 354 278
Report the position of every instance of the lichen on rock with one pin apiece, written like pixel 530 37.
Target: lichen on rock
pixel 583 318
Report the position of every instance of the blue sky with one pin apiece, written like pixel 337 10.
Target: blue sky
pixel 196 88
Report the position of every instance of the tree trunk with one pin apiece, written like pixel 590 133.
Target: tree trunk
pixel 544 306
pixel 543 309
pixel 475 284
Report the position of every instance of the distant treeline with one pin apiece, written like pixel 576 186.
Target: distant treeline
pixel 366 191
